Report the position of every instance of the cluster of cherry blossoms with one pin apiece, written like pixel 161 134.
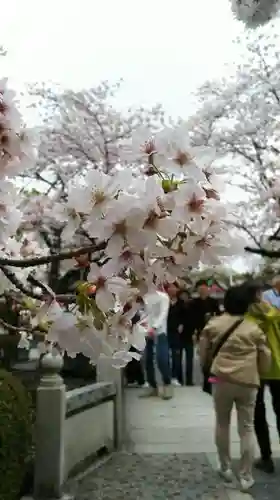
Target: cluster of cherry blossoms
pixel 255 12
pixel 17 152
pixel 152 230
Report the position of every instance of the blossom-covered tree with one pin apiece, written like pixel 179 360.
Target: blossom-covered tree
pixel 151 229
pixel 255 12
pixel 81 131
pixel 239 117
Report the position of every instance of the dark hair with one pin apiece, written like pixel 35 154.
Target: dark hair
pixel 175 283
pixel 239 298
pixel 252 289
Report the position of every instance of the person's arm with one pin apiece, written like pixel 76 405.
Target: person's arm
pixel 216 307
pixel 205 345
pixel 181 316
pixel 264 353
pixel 193 321
pixel 162 311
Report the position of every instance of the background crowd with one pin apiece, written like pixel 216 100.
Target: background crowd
pixel 186 318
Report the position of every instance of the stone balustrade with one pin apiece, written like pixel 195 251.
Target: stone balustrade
pixel 72 427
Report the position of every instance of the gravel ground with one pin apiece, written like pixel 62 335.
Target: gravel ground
pixel 131 476
pixel 266 486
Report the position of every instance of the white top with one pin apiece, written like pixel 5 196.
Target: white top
pixel 140 332
pixel 157 308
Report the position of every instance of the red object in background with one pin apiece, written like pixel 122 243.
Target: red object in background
pixel 216 288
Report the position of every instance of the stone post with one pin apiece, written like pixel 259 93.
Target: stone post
pixel 107 373
pixel 50 417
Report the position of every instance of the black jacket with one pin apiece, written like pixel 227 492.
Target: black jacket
pixel 176 317
pixel 201 310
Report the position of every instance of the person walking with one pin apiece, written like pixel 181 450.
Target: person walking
pixel 203 308
pixel 175 326
pixel 267 316
pixel 156 305
pixel 235 349
pixel 187 339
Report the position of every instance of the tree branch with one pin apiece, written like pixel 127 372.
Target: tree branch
pixel 15 329
pixel 272 254
pixel 275 236
pixel 40 261
pixel 242 227
pixel 18 284
pixel 63 298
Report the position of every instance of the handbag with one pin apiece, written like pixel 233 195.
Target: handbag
pixel 207 386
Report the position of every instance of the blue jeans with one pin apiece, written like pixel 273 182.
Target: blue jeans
pixel 175 362
pixel 160 344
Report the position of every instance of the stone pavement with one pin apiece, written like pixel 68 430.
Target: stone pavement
pixel 171 454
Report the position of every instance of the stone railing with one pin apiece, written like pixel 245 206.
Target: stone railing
pixel 72 427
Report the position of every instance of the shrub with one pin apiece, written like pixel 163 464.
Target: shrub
pixel 16 435
pixel 9 347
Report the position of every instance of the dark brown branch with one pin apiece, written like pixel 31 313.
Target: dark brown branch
pixel 40 261
pixel 46 238
pixel 63 298
pixel 36 283
pixel 242 227
pixel 272 254
pixel 18 284
pixel 275 236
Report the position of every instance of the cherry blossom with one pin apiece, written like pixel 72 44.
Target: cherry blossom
pixel 142 232
pixel 106 288
pixel 180 157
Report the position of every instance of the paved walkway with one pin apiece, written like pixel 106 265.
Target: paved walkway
pixel 171 454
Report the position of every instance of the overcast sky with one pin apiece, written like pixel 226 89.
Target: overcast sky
pixel 162 49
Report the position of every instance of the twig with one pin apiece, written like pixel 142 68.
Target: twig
pixel 15 329
pixel 241 226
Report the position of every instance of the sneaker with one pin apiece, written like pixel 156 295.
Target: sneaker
pixel 175 382
pixel 266 466
pixel 149 392
pixel 227 475
pixel 167 392
pixel 246 484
